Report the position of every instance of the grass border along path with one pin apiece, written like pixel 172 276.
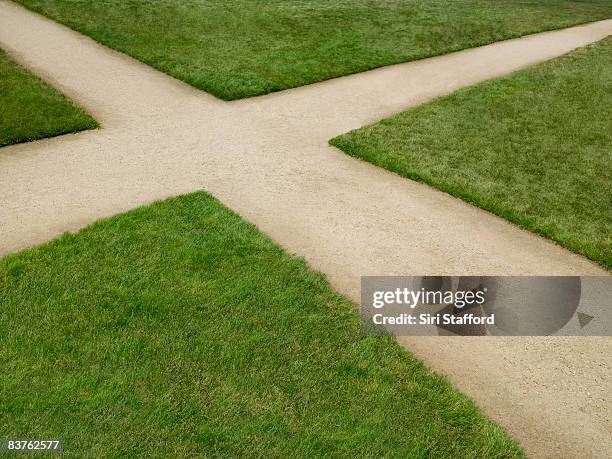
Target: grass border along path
pixel 534 148
pixel 240 48
pixel 178 329
pixel 30 109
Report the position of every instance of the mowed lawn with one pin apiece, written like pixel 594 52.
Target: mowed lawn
pixel 179 330
pixel 534 147
pixel 30 109
pixel 242 48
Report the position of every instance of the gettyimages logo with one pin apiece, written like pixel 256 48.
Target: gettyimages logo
pixel 487 305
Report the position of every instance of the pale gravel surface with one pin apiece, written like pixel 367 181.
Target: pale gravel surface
pixel 267 158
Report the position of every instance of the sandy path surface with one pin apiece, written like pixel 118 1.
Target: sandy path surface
pixel 267 158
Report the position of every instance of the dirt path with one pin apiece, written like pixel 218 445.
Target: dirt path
pixel 268 159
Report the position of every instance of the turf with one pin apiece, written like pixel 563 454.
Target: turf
pixel 534 147
pixel 30 109
pixel 180 330
pixel 242 48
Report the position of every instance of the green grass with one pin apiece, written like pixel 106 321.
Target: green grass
pixel 30 109
pixel 242 48
pixel 534 147
pixel 180 330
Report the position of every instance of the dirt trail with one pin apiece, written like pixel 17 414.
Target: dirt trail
pixel 268 159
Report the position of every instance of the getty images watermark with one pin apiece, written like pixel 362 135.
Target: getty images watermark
pixel 486 305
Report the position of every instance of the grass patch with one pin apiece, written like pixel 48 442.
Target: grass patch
pixel 242 48
pixel 180 330
pixel 31 109
pixel 534 148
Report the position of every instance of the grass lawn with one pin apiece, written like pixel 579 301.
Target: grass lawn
pixel 180 330
pixel 242 48
pixel 534 147
pixel 30 109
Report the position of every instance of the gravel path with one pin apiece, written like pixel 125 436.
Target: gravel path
pixel 268 159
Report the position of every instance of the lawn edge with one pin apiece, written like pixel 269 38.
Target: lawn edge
pixel 42 250
pixel 89 122
pixel 510 216
pixel 25 140
pixel 228 97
